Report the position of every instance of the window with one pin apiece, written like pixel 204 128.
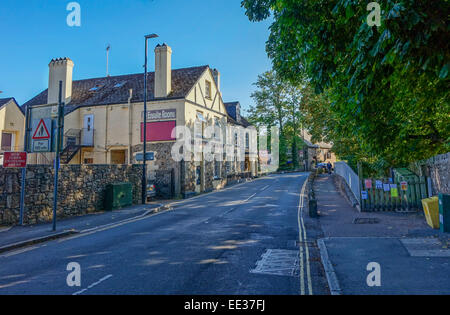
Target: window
pixel 208 89
pixel 216 169
pixel 7 140
pixel 199 125
pixel 217 129
pixel 96 88
pixel 120 84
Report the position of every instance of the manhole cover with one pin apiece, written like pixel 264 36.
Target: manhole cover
pixel 278 262
pixel 366 221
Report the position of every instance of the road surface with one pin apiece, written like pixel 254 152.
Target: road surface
pixel 242 241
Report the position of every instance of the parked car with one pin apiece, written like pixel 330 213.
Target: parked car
pixel 151 190
pixel 322 165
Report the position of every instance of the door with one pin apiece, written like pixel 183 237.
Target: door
pixel 118 157
pixel 7 140
pixel 88 130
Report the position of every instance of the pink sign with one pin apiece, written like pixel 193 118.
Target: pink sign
pixel 159 131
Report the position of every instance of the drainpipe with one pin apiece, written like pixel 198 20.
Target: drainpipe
pixel 130 127
pixel 106 135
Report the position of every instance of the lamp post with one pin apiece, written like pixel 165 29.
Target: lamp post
pixel 144 170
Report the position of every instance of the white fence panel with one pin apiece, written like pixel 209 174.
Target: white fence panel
pixel 350 177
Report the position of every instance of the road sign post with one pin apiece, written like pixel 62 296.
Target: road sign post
pixel 18 160
pixel 24 170
pixel 60 128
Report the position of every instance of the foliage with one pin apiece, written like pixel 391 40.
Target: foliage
pixel 387 88
pixel 278 104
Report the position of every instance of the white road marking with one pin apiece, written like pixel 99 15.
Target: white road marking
pixel 265 188
pixel 250 197
pixel 93 285
pixel 20 251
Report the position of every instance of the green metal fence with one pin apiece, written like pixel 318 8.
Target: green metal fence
pixel 403 193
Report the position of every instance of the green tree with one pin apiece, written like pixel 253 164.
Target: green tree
pixel 387 87
pixel 278 104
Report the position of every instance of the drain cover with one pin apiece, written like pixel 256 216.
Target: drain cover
pixel 366 221
pixel 278 262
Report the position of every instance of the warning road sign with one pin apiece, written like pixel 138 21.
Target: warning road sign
pixel 41 135
pixel 41 131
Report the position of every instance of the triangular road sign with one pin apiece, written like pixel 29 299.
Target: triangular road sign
pixel 41 132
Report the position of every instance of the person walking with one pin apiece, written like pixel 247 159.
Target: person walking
pixel 329 167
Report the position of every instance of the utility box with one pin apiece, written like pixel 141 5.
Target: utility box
pixel 431 211
pixel 118 195
pixel 444 213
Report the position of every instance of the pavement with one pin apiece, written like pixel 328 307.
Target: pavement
pixel 413 258
pixel 249 239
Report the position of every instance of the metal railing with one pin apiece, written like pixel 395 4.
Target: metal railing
pixel 350 177
pixel 4 149
pixel 79 137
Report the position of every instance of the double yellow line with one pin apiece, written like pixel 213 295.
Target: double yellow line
pixel 304 250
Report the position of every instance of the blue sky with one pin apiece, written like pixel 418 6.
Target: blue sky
pixel 214 32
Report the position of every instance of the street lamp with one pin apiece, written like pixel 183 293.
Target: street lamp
pixel 144 174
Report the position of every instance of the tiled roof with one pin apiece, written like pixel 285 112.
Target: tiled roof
pixel 115 90
pixel 231 109
pixel 4 101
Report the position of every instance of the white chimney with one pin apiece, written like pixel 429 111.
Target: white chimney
pixel 163 71
pixel 216 75
pixel 60 70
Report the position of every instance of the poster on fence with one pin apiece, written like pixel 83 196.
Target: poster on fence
pixel 379 184
pixel 368 183
pixel 404 186
pixel 364 195
pixel 394 190
pixel 387 187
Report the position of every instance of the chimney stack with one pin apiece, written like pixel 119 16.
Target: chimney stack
pixel 60 70
pixel 163 71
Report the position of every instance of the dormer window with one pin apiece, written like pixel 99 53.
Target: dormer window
pixel 96 88
pixel 208 89
pixel 119 85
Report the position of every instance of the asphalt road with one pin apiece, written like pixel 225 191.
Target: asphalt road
pixel 206 245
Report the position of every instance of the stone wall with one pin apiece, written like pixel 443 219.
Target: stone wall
pixel 438 170
pixel 81 190
pixel 163 163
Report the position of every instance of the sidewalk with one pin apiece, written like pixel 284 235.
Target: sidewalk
pixel 414 258
pixel 21 235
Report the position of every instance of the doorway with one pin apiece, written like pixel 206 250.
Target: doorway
pixel 118 157
pixel 7 141
pixel 88 130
